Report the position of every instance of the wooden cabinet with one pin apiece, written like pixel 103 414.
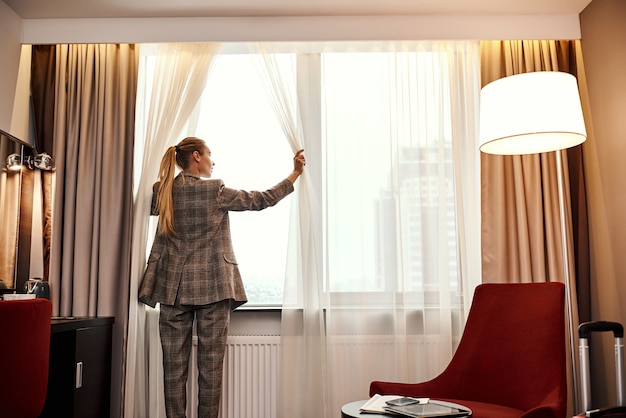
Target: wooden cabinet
pixel 79 378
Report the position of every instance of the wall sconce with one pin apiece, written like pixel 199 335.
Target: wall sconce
pixel 14 162
pixel 41 161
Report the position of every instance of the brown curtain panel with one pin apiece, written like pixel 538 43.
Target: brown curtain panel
pixel 91 137
pixel 521 233
pixel 42 87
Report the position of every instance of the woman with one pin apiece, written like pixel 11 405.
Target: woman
pixel 192 270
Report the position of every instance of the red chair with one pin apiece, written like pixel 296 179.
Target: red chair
pixel 510 362
pixel 24 356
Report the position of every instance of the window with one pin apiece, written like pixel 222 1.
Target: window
pixel 386 172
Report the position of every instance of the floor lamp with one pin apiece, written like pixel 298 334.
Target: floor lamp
pixel 531 113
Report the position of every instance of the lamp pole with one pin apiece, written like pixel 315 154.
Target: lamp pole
pixel 566 272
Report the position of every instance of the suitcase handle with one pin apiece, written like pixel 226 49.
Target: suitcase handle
pixel 583 331
pixel 586 328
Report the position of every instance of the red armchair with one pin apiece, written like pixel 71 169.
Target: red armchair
pixel 24 356
pixel 510 362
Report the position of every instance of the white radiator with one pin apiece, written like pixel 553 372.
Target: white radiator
pixel 250 382
pixel 251 363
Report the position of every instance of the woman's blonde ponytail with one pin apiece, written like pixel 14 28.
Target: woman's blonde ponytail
pixel 164 195
pixel 177 155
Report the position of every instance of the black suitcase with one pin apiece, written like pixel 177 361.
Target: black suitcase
pixel 584 330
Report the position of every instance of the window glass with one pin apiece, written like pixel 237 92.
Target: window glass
pixel 391 209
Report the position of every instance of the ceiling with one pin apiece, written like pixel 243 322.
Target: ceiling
pixel 53 9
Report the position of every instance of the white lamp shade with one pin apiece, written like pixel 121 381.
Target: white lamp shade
pixel 531 113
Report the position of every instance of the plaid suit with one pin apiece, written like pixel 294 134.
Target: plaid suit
pixel 194 273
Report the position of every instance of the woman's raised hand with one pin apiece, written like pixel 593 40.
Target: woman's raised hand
pixel 298 166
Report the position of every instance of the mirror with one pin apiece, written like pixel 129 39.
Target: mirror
pixel 16 205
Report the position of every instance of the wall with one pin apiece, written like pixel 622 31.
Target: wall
pixel 604 52
pixel 10 49
pixel 309 28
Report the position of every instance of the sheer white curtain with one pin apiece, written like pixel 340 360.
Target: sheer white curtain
pixel 303 358
pixel 171 79
pixel 464 79
pixel 378 286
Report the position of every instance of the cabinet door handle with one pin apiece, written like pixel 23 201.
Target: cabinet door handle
pixel 79 375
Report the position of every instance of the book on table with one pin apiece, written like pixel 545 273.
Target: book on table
pixel 414 407
pixel 376 404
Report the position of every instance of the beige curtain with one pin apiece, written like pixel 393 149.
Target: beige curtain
pixel 520 211
pixel 93 149
pixel 521 221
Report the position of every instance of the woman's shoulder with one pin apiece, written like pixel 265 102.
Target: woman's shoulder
pixel 203 183
pixel 217 183
pixel 193 179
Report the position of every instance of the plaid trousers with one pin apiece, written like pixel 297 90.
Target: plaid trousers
pixel 176 329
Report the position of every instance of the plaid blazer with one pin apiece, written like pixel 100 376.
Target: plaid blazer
pixel 198 260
